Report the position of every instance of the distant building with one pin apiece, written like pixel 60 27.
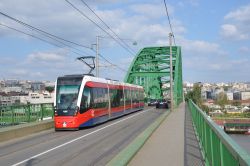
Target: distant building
pixel 1 85
pixel 206 95
pixel 245 95
pixel 237 95
pixel 230 96
pixel 9 100
pixel 188 85
pixel 11 82
pixel 234 111
pixel 240 86
pixel 215 113
pixel 37 86
pixel 12 89
pixel 37 98
pixel 48 83
pixel 26 86
pixel 216 92
pixel 222 84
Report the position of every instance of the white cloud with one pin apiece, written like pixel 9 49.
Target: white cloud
pixel 153 11
pixel 47 56
pixel 57 16
pixel 193 2
pixel 241 14
pixel 238 24
pixel 27 73
pixel 38 74
pixel 145 23
pixel 4 60
pixel 19 72
pixel 244 49
pixel 230 31
pixel 201 48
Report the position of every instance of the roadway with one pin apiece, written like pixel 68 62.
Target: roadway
pixel 92 146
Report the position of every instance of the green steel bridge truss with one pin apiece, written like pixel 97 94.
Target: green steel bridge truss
pixel 151 69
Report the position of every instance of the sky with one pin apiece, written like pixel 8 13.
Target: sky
pixel 214 37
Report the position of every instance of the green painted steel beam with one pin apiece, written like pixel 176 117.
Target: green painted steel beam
pixel 149 74
pixel 156 60
pixel 150 68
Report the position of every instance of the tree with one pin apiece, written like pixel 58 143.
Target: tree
pixel 49 89
pixel 221 99
pixel 236 103
pixel 197 94
pixel 205 108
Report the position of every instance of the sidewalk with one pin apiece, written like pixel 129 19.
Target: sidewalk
pixel 168 146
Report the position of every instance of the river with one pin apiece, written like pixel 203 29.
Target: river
pixel 242 140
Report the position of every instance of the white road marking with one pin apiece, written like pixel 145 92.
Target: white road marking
pixel 66 143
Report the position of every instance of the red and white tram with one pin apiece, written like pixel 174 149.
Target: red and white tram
pixel 83 100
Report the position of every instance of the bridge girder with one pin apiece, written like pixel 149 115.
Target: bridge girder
pixel 151 69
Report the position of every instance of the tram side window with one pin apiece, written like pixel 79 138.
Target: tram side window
pixel 86 100
pixel 113 98
pixel 120 95
pixel 127 98
pixel 100 97
pixel 141 96
pixel 103 100
pixel 137 96
pixel 133 95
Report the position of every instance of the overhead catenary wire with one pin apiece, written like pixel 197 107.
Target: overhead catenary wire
pixel 169 22
pixel 84 15
pixel 39 38
pixel 112 63
pixel 54 44
pixel 51 36
pixel 106 25
pixel 25 33
pixel 54 37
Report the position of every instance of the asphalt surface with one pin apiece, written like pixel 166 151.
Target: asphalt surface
pixel 92 146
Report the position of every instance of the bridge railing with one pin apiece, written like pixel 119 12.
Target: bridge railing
pixel 217 147
pixel 18 114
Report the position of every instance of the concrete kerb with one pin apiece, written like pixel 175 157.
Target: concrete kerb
pixel 12 132
pixel 124 157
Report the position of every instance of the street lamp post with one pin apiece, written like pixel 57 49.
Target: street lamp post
pixel 97 52
pixel 171 72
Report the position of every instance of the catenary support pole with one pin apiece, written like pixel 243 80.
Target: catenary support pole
pixel 97 56
pixel 171 72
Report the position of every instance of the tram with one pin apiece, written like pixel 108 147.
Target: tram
pixel 83 100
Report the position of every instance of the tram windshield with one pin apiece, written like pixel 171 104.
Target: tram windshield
pixel 67 95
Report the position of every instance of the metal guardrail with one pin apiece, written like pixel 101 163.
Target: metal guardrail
pixel 19 114
pixel 217 147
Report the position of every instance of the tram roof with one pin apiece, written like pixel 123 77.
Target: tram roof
pixel 98 79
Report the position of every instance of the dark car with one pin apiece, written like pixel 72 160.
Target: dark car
pixel 162 103
pixel 152 102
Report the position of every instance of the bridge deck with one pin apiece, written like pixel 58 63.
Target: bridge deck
pixel 173 143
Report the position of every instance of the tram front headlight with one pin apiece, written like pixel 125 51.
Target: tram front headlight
pixel 55 112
